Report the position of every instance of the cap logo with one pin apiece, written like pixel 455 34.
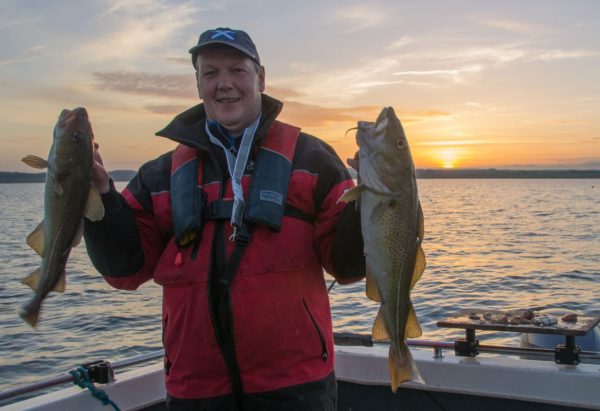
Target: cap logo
pixel 228 34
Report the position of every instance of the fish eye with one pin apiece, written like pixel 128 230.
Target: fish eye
pixel 75 136
pixel 400 143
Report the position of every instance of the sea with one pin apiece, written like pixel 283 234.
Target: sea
pixel 490 244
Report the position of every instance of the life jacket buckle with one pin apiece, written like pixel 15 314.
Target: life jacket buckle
pixel 242 235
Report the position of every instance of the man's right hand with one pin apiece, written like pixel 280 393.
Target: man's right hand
pixel 99 174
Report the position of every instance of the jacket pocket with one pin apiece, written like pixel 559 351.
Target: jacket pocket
pixel 324 353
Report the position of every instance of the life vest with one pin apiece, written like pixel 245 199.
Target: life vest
pixel 265 202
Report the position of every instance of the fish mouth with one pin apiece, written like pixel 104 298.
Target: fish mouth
pixel 68 116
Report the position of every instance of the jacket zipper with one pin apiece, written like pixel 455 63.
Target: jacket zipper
pixel 324 353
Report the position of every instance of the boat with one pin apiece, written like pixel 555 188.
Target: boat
pixel 497 378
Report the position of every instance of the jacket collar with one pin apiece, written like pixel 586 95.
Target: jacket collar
pixel 188 127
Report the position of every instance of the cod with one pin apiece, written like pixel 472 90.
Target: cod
pixel 68 197
pixel 392 229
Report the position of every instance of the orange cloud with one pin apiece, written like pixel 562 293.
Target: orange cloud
pixel 164 85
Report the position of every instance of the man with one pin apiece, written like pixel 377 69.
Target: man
pixel 237 224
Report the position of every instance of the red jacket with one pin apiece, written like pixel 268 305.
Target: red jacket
pixel 280 311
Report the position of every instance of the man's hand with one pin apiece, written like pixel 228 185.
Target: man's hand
pixel 99 173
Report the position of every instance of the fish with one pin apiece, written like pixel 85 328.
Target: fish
pixel 392 226
pixel 68 196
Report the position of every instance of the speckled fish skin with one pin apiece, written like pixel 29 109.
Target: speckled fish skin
pixel 392 228
pixel 67 189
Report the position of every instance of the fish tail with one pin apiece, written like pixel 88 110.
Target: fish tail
pixel 30 312
pixel 402 366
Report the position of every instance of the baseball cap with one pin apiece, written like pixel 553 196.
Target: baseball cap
pixel 223 35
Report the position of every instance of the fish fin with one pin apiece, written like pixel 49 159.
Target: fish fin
pixel 35 161
pixel 379 331
pixel 402 367
pixel 379 210
pixel 413 328
pixel 421 224
pixel 30 313
pixel 94 209
pixel 352 194
pixel 371 287
pixel 61 283
pixel 32 280
pixel 420 264
pixel 56 183
pixel 78 235
pixel 35 240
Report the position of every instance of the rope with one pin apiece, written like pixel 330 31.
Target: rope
pixel 81 377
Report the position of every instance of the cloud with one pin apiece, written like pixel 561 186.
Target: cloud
pixel 551 55
pixel 164 85
pixel 138 27
pixel 30 54
pixel 309 115
pixel 318 116
pixel 457 143
pixel 358 17
pixel 283 93
pixel 511 25
pixel 456 75
pixel 169 109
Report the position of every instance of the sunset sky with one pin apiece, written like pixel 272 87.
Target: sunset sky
pixel 504 84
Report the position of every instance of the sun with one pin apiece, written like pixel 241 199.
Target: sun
pixel 448 157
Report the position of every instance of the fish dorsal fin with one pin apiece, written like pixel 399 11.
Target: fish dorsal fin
pixel 352 193
pixel 420 264
pixel 35 240
pixel 379 331
pixel 371 287
pixel 94 209
pixel 413 328
pixel 33 281
pixel 35 162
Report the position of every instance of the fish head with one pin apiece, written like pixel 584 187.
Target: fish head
pixel 73 139
pixel 385 161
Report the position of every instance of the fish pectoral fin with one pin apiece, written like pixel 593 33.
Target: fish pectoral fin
pixel 413 328
pixel 381 209
pixel 32 280
pixel 35 240
pixel 35 161
pixel 94 209
pixel 379 331
pixel 56 184
pixel 420 264
pixel 371 288
pixel 352 194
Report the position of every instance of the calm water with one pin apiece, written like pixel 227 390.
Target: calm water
pixel 499 244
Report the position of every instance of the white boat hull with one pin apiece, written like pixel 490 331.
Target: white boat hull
pixel 500 377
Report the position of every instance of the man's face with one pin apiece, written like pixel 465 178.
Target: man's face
pixel 230 86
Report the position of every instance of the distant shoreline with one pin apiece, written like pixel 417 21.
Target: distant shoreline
pixel 488 173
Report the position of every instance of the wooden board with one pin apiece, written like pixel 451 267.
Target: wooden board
pixel 489 320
